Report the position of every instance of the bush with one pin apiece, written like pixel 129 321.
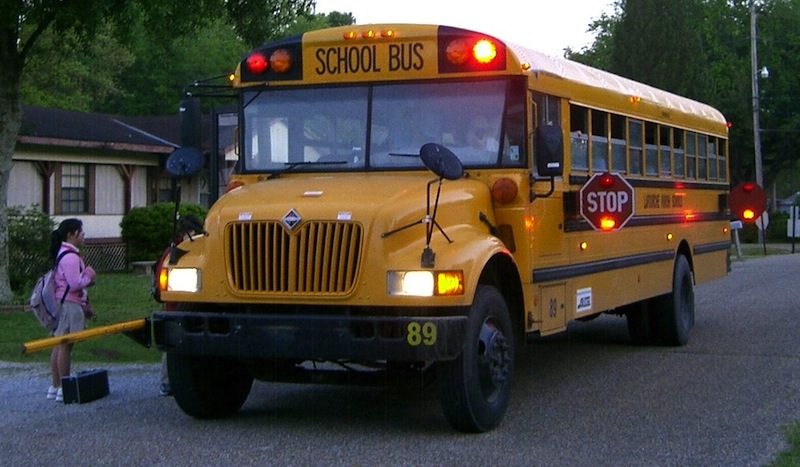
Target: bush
pixel 776 230
pixel 29 232
pixel 148 230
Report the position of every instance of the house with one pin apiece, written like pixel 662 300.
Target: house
pixel 96 167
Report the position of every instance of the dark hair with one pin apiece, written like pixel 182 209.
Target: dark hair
pixel 59 235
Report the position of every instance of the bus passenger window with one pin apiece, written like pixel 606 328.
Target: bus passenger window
pixel 635 145
pixel 618 144
pixel 651 150
pixel 712 158
pixel 702 157
pixel 578 131
pixel 665 150
pixel 599 152
pixel 678 153
pixel 691 154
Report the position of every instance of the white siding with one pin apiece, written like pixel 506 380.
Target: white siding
pixel 139 188
pixel 25 185
pixel 109 190
pixel 97 226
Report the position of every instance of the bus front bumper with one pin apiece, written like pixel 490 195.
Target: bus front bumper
pixel 395 338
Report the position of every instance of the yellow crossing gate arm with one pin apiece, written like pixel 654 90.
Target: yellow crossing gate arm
pixel 50 342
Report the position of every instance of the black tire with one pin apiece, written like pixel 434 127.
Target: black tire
pixel 208 387
pixel 641 323
pixel 675 310
pixel 475 388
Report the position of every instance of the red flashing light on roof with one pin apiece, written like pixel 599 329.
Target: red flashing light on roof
pixel 484 51
pixel 257 63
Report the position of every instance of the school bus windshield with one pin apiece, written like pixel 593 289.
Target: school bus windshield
pixel 382 127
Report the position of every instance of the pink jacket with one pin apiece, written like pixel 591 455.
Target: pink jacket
pixel 72 270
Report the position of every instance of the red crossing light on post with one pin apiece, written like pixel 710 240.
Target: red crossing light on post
pixel 747 201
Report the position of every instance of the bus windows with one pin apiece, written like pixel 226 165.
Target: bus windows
pixel 665 150
pixel 618 143
pixel 579 131
pixel 651 150
pixel 635 145
pixel 691 154
pixel 466 122
pixel 702 157
pixel 678 153
pixel 721 152
pixel 599 131
pixel 304 126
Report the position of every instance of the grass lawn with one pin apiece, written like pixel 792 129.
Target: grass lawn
pixel 116 297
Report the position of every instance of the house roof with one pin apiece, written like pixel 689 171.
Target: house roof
pixel 69 128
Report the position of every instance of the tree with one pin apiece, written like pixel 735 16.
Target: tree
pixel 24 23
pixel 598 54
pixel 661 44
pixel 778 44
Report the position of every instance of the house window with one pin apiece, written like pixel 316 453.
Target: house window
pixel 74 189
pixel 165 190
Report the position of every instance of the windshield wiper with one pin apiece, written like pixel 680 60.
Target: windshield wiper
pixel 292 165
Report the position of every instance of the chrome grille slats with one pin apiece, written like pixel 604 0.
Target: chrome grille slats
pixel 318 258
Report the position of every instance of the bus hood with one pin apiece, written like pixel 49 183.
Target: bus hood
pixel 377 201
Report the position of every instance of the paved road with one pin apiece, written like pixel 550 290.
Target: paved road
pixel 585 397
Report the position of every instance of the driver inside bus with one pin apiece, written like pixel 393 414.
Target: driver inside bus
pixel 481 135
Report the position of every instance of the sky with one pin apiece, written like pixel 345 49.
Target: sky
pixel 546 26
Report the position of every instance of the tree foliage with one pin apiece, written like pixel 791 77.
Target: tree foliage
pixel 702 49
pixel 148 230
pixel 23 24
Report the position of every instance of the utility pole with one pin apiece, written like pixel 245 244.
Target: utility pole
pixel 754 76
pixel 756 123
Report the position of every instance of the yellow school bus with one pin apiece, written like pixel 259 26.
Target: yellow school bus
pixel 426 200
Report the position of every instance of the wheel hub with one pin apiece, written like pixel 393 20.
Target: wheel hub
pixel 495 358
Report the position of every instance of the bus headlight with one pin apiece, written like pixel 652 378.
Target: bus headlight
pixel 183 280
pixel 425 283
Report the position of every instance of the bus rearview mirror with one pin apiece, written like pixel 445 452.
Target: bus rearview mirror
pixel 549 145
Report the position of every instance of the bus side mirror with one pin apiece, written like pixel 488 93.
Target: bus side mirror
pixel 191 123
pixel 549 145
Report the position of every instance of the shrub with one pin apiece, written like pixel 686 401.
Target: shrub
pixel 29 232
pixel 148 230
pixel 776 230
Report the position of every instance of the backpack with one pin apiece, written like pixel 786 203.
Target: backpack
pixel 43 302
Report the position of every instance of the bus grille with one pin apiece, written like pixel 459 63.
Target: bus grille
pixel 319 258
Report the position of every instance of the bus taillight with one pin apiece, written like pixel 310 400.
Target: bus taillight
pixel 257 63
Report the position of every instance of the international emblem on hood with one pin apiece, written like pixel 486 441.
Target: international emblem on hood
pixel 291 219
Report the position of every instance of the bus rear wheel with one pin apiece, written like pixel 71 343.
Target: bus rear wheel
pixel 475 388
pixel 208 387
pixel 675 311
pixel 667 319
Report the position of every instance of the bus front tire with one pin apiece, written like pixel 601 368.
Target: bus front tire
pixel 208 387
pixel 475 388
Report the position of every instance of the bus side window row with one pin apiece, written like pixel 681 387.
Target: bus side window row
pixel 605 141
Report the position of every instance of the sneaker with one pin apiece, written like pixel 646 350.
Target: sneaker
pixel 165 390
pixel 60 395
pixel 51 393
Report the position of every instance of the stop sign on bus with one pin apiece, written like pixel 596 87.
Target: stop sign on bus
pixel 607 201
